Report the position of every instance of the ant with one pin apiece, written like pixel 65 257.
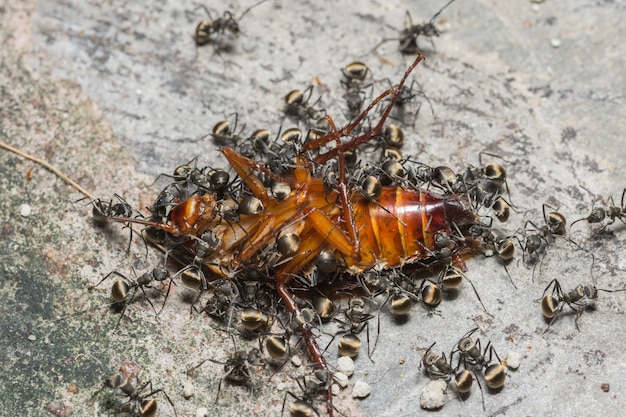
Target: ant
pixel 297 104
pixel 227 23
pixel 472 354
pixel 407 103
pixel 103 211
pixel 541 237
pixel 144 404
pixel 610 211
pixel 438 367
pixel 120 290
pixel 400 300
pixel 311 388
pixel 493 242
pixel 236 367
pixel 577 299
pixel 408 36
pixel 357 320
pixel 204 247
pixel 355 74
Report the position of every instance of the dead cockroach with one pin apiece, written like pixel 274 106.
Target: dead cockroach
pixel 339 229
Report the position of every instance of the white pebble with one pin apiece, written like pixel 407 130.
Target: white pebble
pixel 432 397
pixel 555 42
pixel 341 379
pixel 535 7
pixel 296 361
pixel 361 389
pixel 188 390
pixel 281 386
pixel 32 337
pixel 25 210
pixel 335 389
pixel 202 412
pixel 345 364
pixel 513 359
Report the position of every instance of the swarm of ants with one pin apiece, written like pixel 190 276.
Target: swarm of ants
pixel 327 228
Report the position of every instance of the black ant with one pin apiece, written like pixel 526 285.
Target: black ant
pixel 103 212
pixel 578 299
pixel 438 367
pixel 541 237
pixel 144 404
pixel 297 104
pixel 311 387
pixel 357 319
pixel 355 74
pixel 494 243
pixel 236 367
pixel 408 36
pixel 122 288
pixel 482 360
pixel 227 23
pixel 407 103
pixel 609 212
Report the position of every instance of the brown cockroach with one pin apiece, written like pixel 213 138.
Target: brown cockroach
pixel 403 226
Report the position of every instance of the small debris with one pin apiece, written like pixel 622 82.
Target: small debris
pixel 433 395
pixel 555 42
pixel 25 210
pixel 296 361
pixel 32 337
pixel 341 379
pixel 605 387
pixel 345 364
pixel 335 389
pixel 72 389
pixel 513 360
pixel 361 389
pixel 188 390
pixel 202 412
pixel 130 369
pixel 58 409
pixel 281 386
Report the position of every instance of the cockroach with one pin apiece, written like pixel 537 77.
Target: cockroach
pixel 338 228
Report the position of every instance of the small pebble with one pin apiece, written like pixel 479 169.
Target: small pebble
pixel 341 379
pixel 535 7
pixel 555 42
pixel 361 389
pixel 345 364
pixel 32 337
pixel 188 390
pixel 58 409
pixel 281 386
pixel 605 387
pixel 25 210
pixel 202 412
pixel 335 389
pixel 513 359
pixel 296 361
pixel 433 395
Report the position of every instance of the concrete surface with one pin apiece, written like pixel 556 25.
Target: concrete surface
pixel 115 93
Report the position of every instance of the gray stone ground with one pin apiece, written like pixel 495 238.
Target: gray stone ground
pixel 113 93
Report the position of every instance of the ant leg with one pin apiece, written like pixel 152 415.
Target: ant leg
pixel 369 135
